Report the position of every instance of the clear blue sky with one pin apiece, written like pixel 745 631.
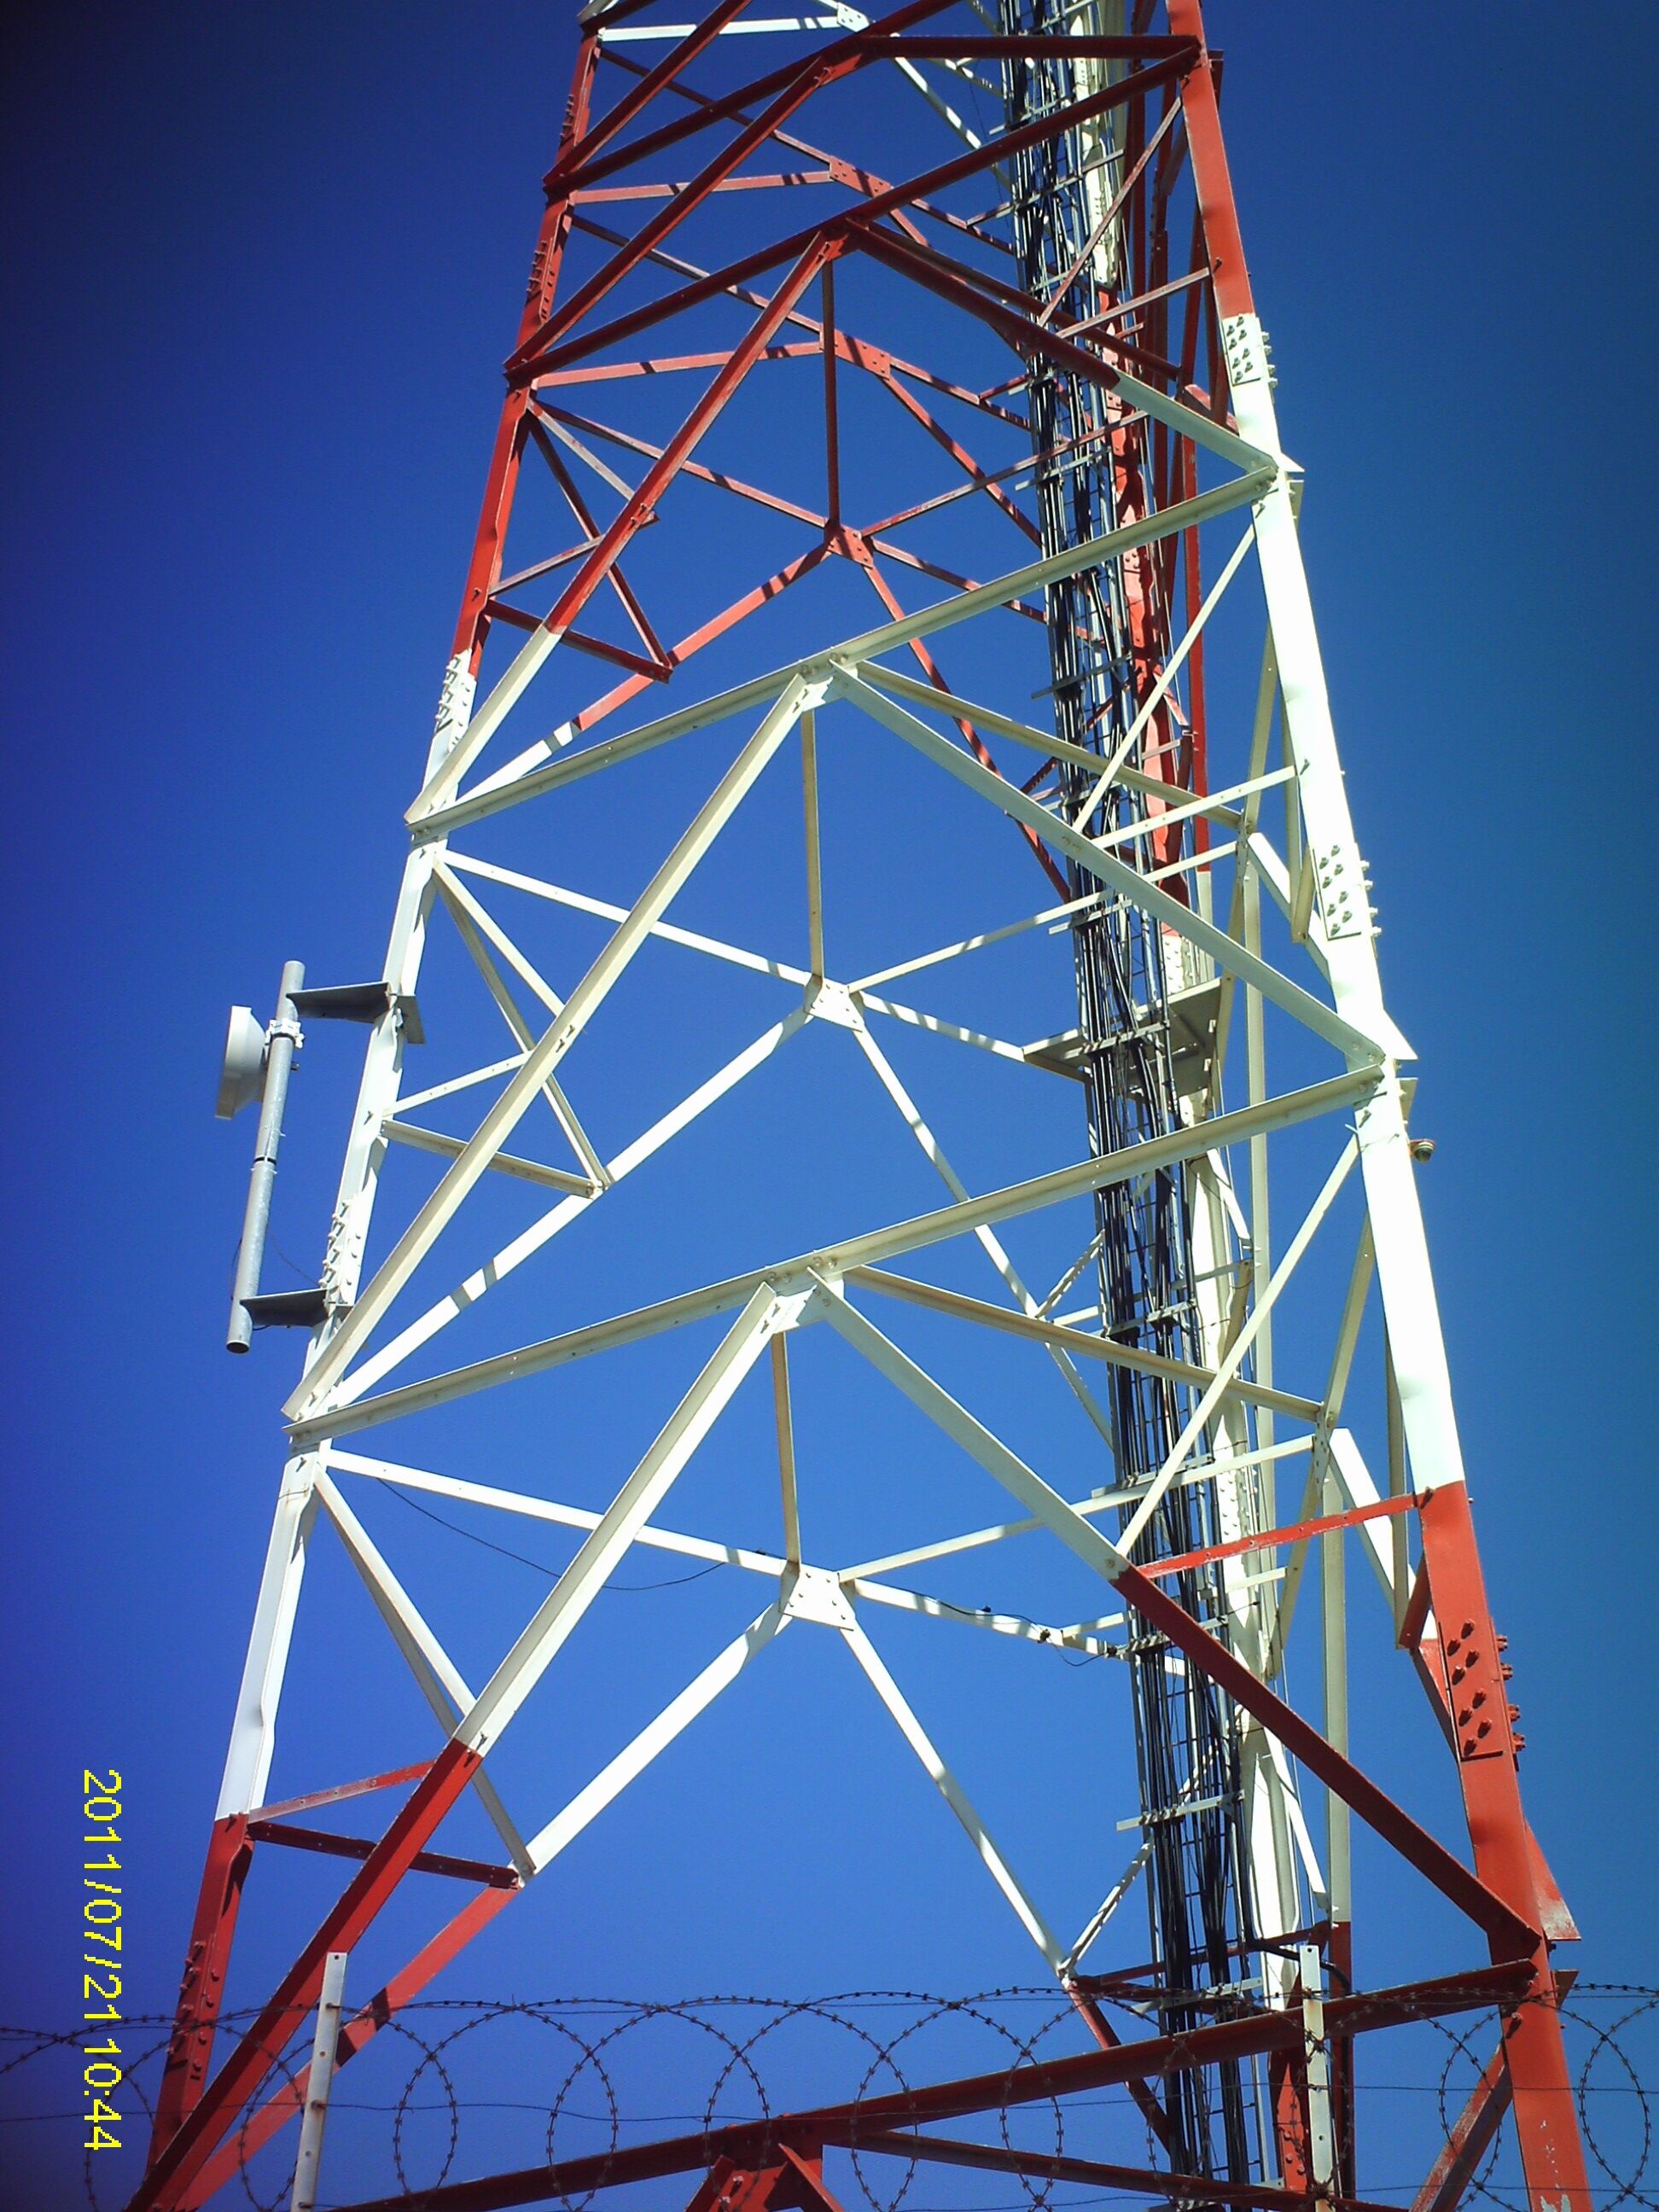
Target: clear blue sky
pixel 263 268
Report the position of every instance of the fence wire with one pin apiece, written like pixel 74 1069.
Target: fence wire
pixel 457 2088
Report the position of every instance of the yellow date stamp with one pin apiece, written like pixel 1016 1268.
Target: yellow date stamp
pixel 101 1952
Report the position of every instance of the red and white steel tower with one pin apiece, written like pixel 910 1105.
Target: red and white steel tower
pixel 944 314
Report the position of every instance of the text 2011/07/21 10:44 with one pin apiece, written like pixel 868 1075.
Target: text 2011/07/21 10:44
pixel 101 1925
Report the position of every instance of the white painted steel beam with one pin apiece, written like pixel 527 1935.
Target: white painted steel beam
pixel 436 1675
pixel 542 772
pixel 319 2078
pixel 552 1511
pixel 1022 1482
pixel 1404 1275
pixel 557 1616
pixel 654 1740
pixel 1076 1342
pixel 1225 950
pixel 910 1114
pixel 253 1728
pixel 584 1002
pixel 531 1241
pixel 1201 1414
pixel 1124 751
pixel 939 1773
pixel 441 1146
pixel 836 1260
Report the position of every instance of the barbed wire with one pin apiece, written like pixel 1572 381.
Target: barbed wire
pixel 435 2071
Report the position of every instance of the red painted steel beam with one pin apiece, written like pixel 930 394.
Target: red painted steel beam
pixel 1021 304
pixel 885 40
pixel 360 1847
pixel 1116 207
pixel 1512 1933
pixel 642 501
pixel 778 180
pixel 847 347
pixel 1146 2097
pixel 818 74
pixel 341 1792
pixel 1229 277
pixel 716 626
pixel 663 364
pixel 861 221
pixel 720 478
pixel 1150 630
pixel 831 401
pixel 1092 2173
pixel 581 153
pixel 1138 1981
pixel 853 175
pixel 1473 2131
pixel 1287 2080
pixel 976 744
pixel 261 2046
pixel 1271 1538
pixel 805 2172
pixel 1555 1916
pixel 728 2187
pixel 567 483
pixel 207 1961
pixel 500 479
pixel 1541 2082
pixel 1469 2141
pixel 981 479
pixel 382 2008
pixel 937 274
pixel 724 107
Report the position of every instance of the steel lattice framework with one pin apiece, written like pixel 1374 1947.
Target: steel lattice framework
pixel 1098 389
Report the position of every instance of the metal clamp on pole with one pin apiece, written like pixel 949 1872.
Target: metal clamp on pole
pixel 257 1065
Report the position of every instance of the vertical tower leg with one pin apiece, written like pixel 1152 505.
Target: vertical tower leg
pixel 1540 2080
pixel 254 1732
pixel 248 1763
pixel 190 2051
pixel 1545 2123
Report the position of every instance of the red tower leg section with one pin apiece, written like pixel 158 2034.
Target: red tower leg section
pixel 190 2053
pixel 284 2103
pixel 484 568
pixel 257 2054
pixel 1541 2083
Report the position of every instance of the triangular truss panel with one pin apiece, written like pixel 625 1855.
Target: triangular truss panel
pixel 906 1129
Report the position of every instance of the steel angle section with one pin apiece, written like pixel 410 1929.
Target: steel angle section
pixel 1226 951
pixel 561 1032
pixel 832 1262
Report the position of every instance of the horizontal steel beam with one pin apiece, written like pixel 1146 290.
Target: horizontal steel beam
pixel 836 1260
pixel 751 2141
pixel 491 797
pixel 1076 1340
pixel 359 1847
pixel 1198 2188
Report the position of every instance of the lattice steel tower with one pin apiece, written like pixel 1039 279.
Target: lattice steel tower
pixel 1034 369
